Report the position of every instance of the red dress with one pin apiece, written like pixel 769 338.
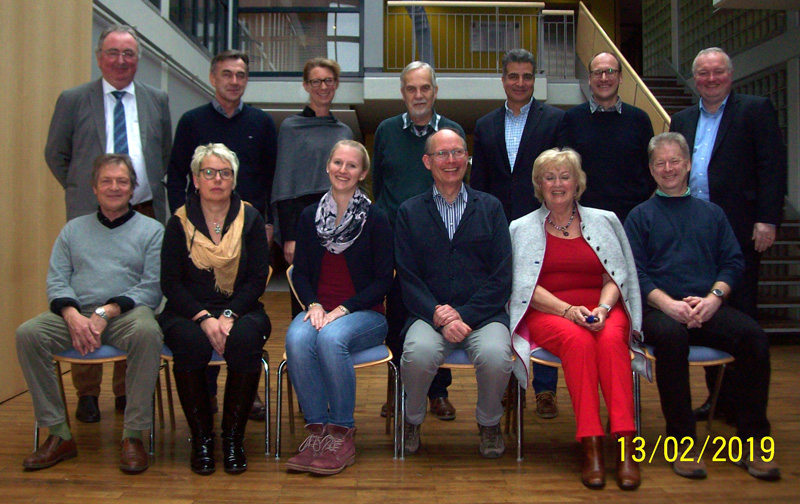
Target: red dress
pixel 572 272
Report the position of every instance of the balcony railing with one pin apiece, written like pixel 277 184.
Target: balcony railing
pixel 473 36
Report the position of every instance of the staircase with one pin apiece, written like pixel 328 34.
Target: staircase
pixel 671 95
pixel 779 286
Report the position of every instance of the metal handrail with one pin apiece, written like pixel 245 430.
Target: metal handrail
pixel 588 45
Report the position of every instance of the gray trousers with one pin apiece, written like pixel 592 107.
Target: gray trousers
pixel 489 350
pixel 135 332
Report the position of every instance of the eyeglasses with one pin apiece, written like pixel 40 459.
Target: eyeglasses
pixel 443 155
pixel 115 53
pixel 315 83
pixel 609 72
pixel 661 164
pixel 211 173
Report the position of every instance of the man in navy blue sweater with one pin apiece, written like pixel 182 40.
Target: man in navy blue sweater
pixel 453 257
pixel 247 131
pixel 688 261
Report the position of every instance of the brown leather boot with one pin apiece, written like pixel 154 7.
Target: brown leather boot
pixel 628 477
pixel 338 451
pixel 593 471
pixel 308 450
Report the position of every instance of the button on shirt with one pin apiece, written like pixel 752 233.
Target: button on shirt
pixel 433 125
pixel 515 125
pixel 707 127
pixel 142 192
pixel 451 212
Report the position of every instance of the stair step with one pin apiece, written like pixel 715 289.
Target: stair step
pixel 779 302
pixel 780 326
pixel 782 280
pixel 780 260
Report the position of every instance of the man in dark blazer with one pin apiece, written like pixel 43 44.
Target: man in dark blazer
pixel 83 128
pixel 79 130
pixel 739 163
pixel 513 136
pixel 453 257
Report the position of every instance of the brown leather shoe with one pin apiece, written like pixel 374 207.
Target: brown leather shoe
pixel 443 409
pixel 133 458
pixel 758 467
pixel 52 451
pixel 593 471
pixel 628 477
pixel 309 449
pixel 546 405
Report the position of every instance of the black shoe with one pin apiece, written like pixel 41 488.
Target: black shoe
pixel 193 393
pixel 720 413
pixel 240 389
pixel 87 411
pixel 120 403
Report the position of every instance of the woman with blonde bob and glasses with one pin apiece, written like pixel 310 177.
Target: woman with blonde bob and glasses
pixel 342 271
pixel 214 265
pixel 575 293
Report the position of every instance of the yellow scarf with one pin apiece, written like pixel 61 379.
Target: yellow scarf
pixel 222 258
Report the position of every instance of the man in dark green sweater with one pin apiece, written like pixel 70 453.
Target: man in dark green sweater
pixel 398 174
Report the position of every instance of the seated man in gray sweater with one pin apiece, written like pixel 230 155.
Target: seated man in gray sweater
pixel 102 286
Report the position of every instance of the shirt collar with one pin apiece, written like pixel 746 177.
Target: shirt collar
pixel 665 195
pixel 108 88
pixel 462 194
pixel 218 107
pixel 595 107
pixel 719 110
pixel 116 222
pixel 433 123
pixel 523 110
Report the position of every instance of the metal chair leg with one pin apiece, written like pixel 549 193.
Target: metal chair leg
pixel 715 395
pixel 35 436
pixel 153 424
pixel 637 403
pixel 159 402
pixel 170 405
pixel 290 401
pixel 279 408
pixel 394 387
pixel 520 432
pixel 267 418
pixel 400 415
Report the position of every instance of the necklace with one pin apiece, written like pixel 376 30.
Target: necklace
pixel 218 229
pixel 563 229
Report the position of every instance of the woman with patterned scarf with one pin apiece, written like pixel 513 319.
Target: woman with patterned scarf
pixel 214 264
pixel 342 271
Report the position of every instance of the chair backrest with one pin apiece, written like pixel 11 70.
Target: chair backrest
pixel 289 271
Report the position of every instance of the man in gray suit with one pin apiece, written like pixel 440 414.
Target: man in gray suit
pixel 83 123
pixel 111 114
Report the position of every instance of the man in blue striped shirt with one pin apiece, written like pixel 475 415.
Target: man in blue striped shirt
pixel 453 258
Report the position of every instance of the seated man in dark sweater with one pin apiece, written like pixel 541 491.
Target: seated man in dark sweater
pixel 688 261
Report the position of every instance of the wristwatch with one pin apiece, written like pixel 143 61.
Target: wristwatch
pixel 230 314
pixel 101 312
pixel 718 293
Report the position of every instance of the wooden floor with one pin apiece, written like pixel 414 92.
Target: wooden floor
pixel 448 468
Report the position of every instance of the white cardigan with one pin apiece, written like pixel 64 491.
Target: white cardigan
pixel 606 236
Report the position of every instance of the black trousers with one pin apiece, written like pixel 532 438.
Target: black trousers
pixel 192 350
pixel 729 330
pixel 396 315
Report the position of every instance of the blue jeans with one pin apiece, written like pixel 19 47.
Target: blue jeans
pixel 320 366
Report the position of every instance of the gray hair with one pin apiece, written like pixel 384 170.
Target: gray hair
pixel 710 50
pixel 113 159
pixel 215 149
pixel 671 137
pixel 518 56
pixel 116 28
pixel 619 65
pixel 415 65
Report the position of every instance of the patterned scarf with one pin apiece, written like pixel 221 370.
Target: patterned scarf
pixel 337 238
pixel 222 258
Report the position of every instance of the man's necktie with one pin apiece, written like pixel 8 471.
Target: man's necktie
pixel 120 128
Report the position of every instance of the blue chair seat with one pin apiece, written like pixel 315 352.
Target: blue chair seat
pixel 546 357
pixel 104 352
pixel 370 355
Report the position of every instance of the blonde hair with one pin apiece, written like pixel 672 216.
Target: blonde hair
pixel 215 149
pixel 558 157
pixel 355 145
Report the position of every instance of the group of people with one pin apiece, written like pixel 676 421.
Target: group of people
pixel 569 278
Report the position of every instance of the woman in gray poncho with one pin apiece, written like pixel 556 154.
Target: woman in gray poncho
pixel 304 142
